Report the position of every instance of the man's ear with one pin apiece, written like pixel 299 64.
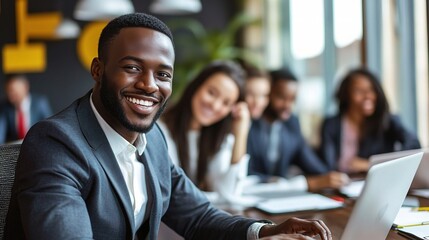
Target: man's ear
pixel 96 69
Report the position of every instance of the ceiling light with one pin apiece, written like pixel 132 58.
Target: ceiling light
pixel 67 29
pixel 175 7
pixel 88 10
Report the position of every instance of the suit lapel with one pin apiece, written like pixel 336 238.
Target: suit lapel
pixel 285 150
pixel 338 139
pixel 98 141
pixel 265 131
pixel 156 209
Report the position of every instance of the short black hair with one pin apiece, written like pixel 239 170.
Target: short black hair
pixel 284 74
pixel 130 20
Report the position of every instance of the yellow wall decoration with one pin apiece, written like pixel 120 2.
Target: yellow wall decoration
pixel 24 56
pixel 43 25
pixel 87 44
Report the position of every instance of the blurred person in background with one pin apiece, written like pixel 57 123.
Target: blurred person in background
pixel 206 133
pixel 21 109
pixel 206 130
pixel 363 126
pixel 257 89
pixel 276 143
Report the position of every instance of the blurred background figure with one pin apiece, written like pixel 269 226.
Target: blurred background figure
pixel 363 126
pixel 20 110
pixel 257 89
pixel 206 133
pixel 276 143
pixel 207 129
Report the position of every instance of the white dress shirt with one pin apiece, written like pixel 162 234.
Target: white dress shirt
pixel 132 170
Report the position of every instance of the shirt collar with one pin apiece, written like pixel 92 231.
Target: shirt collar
pixel 116 141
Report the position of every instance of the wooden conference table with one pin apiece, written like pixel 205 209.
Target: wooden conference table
pixel 335 219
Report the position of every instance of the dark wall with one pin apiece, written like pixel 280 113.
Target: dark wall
pixel 65 78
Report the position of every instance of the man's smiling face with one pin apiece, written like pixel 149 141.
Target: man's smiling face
pixel 134 81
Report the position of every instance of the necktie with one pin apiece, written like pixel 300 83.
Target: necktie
pixel 21 124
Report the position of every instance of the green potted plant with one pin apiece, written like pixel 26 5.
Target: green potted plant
pixel 197 46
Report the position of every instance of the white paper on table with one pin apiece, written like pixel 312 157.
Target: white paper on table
pixel 353 189
pixel 408 215
pixel 304 202
pixel 419 232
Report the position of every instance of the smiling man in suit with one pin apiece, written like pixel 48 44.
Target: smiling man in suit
pixel 100 168
pixel 20 110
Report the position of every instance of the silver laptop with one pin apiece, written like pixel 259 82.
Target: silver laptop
pixel 385 189
pixel 421 179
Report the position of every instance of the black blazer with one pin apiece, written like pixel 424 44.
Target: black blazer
pixel 396 133
pixel 293 150
pixel 68 185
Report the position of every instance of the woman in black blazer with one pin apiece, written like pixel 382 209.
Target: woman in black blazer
pixel 363 127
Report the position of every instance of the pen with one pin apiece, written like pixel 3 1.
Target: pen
pixel 337 198
pixel 420 209
pixel 413 225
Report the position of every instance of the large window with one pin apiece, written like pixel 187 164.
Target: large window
pixel 325 42
pixel 322 42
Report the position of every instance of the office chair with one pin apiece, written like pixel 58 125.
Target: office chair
pixel 8 157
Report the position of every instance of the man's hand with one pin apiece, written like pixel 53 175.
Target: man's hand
pixel 296 228
pixel 330 180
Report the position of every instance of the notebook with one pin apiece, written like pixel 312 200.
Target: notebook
pixel 411 216
pixel 417 232
pixel 384 191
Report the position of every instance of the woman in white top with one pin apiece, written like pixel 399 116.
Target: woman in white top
pixel 207 129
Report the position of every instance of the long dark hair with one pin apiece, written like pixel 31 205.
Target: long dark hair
pixel 178 119
pixel 378 121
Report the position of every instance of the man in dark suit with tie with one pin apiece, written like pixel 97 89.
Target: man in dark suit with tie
pixel 275 142
pixel 100 169
pixel 21 109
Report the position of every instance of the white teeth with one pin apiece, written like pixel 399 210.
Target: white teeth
pixel 140 102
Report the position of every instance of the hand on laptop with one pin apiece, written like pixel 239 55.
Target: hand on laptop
pixel 296 228
pixel 330 180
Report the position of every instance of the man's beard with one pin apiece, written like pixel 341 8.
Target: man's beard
pixel 111 103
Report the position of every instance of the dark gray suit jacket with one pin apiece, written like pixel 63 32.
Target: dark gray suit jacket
pixel 293 150
pixel 68 185
pixel 39 109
